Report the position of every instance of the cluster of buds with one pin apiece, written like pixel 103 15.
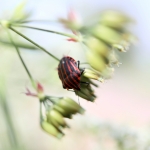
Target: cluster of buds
pixel 56 109
pixel 103 38
pixel 101 41
pixel 86 90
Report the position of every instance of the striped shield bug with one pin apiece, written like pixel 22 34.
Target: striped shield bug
pixel 69 73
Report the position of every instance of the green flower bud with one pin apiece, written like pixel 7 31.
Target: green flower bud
pixel 86 92
pixel 95 61
pixel 114 19
pixel 85 79
pixel 55 118
pixel 73 103
pixel 107 34
pixel 92 75
pixel 84 96
pixel 69 107
pixel 63 112
pixel 49 128
pixel 87 89
pixel 97 46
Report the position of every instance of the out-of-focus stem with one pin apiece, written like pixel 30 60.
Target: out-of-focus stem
pixel 22 61
pixel 19 44
pixel 10 128
pixel 51 31
pixel 40 47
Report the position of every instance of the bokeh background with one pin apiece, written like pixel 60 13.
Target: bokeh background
pixel 120 116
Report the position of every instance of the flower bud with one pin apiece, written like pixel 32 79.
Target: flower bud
pixel 84 96
pixel 73 103
pixel 107 34
pixel 97 46
pixel 85 79
pixel 95 61
pixel 55 118
pixel 63 112
pixel 49 128
pixel 86 92
pixel 114 19
pixel 67 106
pixel 73 21
pixel 92 75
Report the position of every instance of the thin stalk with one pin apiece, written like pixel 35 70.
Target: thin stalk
pixel 19 44
pixel 51 31
pixel 41 113
pixel 9 123
pixel 28 21
pixel 40 47
pixel 22 61
pixel 10 127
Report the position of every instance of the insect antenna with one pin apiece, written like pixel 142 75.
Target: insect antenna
pixel 67 53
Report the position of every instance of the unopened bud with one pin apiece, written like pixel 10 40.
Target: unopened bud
pixel 92 75
pixel 95 61
pixel 114 19
pixel 97 46
pixel 107 34
pixel 56 118
pixel 63 112
pixel 69 107
pixel 84 96
pixel 49 128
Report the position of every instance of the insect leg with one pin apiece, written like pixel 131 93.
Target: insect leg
pixel 82 71
pixel 87 83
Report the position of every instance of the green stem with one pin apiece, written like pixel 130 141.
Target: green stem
pixel 10 127
pixel 41 113
pixel 23 63
pixel 7 115
pixel 19 44
pixel 51 31
pixel 28 21
pixel 34 43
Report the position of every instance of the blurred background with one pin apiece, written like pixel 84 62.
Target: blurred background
pixel 120 117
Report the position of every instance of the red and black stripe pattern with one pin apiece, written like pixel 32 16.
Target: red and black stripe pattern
pixel 69 73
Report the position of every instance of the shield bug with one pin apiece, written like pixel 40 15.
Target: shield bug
pixel 69 73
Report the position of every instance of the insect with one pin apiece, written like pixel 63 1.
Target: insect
pixel 69 73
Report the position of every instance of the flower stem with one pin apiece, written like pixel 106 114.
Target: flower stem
pixel 34 43
pixel 51 31
pixel 23 63
pixel 41 113
pixel 28 21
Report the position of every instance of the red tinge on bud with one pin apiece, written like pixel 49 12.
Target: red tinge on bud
pixel 72 40
pixel 72 16
pixel 40 88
